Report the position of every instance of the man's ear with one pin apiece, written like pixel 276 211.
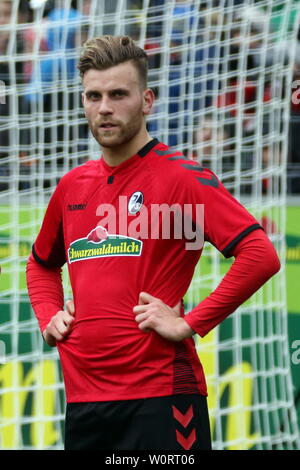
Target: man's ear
pixel 148 97
pixel 83 101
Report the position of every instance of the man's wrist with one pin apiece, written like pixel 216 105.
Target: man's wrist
pixel 48 338
pixel 184 329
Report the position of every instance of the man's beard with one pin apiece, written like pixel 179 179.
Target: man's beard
pixel 124 136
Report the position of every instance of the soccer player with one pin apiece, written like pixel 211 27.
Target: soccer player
pixel 132 376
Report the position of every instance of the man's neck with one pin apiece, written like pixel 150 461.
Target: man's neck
pixel 114 156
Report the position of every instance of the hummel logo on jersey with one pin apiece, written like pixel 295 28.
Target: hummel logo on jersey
pixel 99 243
pixel 76 207
pixel 135 202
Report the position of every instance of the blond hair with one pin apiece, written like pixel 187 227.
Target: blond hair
pixel 103 52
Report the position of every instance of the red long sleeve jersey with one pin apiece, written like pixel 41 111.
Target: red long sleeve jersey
pixel 99 222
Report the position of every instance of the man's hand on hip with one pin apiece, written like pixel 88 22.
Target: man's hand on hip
pixel 154 314
pixel 60 325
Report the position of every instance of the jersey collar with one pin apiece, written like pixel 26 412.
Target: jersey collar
pixel 132 161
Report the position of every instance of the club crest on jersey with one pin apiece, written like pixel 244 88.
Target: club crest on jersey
pixel 135 202
pixel 99 243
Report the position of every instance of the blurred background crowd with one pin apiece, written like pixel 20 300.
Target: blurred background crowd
pixel 39 46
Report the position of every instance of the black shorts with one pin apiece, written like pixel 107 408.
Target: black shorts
pixel 177 422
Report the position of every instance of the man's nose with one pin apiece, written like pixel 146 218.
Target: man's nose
pixel 105 106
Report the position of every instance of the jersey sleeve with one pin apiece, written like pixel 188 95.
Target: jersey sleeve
pixel 49 249
pixel 225 220
pixel 255 262
pixel 45 291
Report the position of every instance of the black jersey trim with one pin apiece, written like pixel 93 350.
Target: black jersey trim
pixel 192 167
pixel 227 252
pixel 149 146
pixel 177 157
pixel 212 181
pixel 184 380
pixel 163 153
pixel 45 264
pixel 38 259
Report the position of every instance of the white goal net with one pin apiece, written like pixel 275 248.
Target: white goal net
pixel 221 71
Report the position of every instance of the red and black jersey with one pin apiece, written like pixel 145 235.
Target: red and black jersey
pixel 92 223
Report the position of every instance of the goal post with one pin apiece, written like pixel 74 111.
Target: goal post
pixel 222 75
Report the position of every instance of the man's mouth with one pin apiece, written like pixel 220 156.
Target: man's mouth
pixel 107 125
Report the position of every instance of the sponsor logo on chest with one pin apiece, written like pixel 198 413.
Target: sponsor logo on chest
pixel 99 243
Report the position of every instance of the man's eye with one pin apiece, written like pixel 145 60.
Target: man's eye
pixel 93 96
pixel 119 93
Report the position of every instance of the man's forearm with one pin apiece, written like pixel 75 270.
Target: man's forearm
pixel 45 291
